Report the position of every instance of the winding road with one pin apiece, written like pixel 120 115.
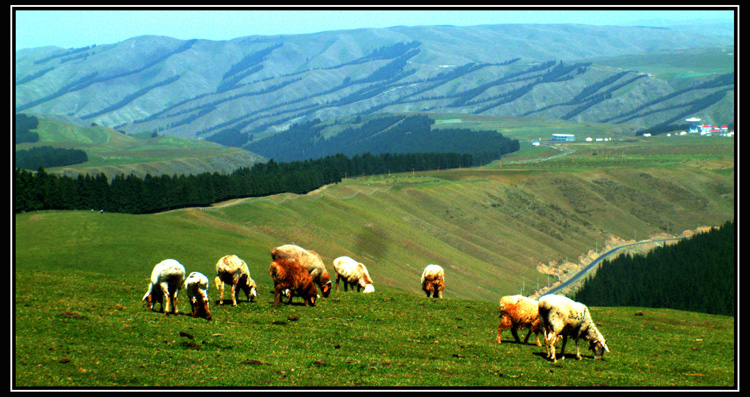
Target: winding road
pixel 591 265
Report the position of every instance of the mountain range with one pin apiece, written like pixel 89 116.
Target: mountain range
pixel 240 91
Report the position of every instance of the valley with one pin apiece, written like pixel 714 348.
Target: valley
pixel 499 229
pixel 516 214
pixel 499 223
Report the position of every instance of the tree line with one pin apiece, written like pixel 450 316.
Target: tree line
pixel 132 194
pixel 696 274
pixel 389 134
pixel 47 156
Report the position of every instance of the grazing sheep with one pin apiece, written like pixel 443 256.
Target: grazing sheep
pixel 561 316
pixel 232 270
pixel 310 260
pixel 353 273
pixel 433 281
pixel 166 280
pixel 518 312
pixel 196 286
pixel 288 274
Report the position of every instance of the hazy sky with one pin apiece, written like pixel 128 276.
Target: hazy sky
pixel 72 28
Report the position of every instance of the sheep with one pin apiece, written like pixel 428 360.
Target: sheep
pixel 196 286
pixel 310 260
pixel 433 281
pixel 353 273
pixel 519 312
pixel 230 269
pixel 564 317
pixel 288 274
pixel 166 280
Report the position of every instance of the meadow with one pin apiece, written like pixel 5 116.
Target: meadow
pixel 90 330
pixel 80 275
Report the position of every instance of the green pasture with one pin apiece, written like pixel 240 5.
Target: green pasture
pixel 79 277
pixel 90 330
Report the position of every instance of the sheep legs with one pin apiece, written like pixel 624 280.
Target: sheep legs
pixel 550 341
pixel 234 293
pixel 169 297
pixel 194 305
pixel 277 297
pixel 505 324
pixel 526 340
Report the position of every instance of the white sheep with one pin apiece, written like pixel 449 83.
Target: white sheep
pixel 433 281
pixel 166 280
pixel 309 260
pixel 230 269
pixel 352 272
pixel 564 317
pixel 519 312
pixel 196 286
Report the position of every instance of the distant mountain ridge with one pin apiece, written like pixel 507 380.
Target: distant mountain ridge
pixel 256 86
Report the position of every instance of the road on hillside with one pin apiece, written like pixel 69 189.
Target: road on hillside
pixel 591 265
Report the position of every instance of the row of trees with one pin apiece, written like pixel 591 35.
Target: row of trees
pixel 131 194
pixel 24 126
pixel 47 156
pixel 696 274
pixel 388 134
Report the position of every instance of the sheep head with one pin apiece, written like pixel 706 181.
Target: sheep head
pixel 152 296
pixel 310 294
pixel 598 347
pixel 326 288
pixel 325 284
pixel 149 301
pixel 248 286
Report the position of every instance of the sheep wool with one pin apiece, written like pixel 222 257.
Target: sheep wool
pixel 166 281
pixel 353 273
pixel 561 316
pixel 433 281
pixel 287 274
pixel 196 286
pixel 518 312
pixel 308 259
pixel 230 269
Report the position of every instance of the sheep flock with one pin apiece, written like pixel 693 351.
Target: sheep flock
pixel 296 271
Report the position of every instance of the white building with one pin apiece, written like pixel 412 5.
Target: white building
pixel 563 138
pixel 694 124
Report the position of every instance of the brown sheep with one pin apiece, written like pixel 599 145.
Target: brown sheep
pixel 310 260
pixel 519 312
pixel 287 274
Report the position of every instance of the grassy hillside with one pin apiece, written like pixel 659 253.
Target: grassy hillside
pixel 501 229
pixel 90 330
pixel 112 152
pixel 494 229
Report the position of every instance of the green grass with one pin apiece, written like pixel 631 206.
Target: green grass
pixel 80 276
pixel 89 329
pixel 498 223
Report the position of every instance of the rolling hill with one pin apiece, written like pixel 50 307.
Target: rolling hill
pixel 252 87
pixel 497 230
pixel 113 152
